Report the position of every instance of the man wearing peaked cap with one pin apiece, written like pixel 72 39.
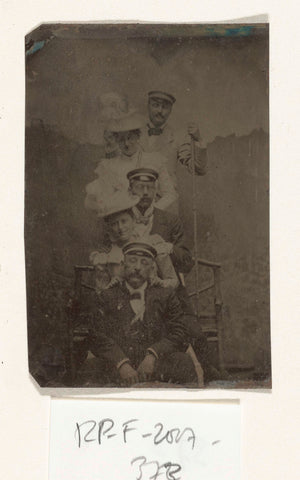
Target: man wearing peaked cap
pixel 140 248
pixel 159 136
pixel 151 220
pixel 143 174
pixel 112 172
pixel 139 331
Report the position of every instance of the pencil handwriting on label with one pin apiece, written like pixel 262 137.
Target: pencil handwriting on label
pixel 124 440
pixel 167 471
pixel 92 431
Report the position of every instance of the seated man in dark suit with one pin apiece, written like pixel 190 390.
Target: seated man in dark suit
pixel 139 332
pixel 151 220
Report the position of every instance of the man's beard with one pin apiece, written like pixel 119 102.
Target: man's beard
pixel 135 278
pixel 144 203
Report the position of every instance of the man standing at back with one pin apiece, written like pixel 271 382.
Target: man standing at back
pixel 159 136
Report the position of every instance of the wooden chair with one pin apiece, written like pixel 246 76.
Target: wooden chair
pixel 211 323
pixel 77 321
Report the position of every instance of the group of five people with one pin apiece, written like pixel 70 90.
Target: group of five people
pixel 141 329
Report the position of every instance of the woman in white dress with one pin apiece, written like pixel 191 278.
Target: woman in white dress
pixel 112 172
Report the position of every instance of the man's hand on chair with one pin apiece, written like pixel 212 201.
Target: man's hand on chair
pixel 128 374
pixel 146 367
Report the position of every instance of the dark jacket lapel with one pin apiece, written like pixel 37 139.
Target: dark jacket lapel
pixel 122 305
pixel 160 224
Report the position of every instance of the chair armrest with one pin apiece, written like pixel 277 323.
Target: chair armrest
pixel 84 268
pixel 208 263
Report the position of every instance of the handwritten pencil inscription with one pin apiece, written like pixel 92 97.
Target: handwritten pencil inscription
pixel 105 429
pixel 133 431
pixel 166 470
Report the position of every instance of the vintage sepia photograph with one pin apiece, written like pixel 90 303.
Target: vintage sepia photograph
pixel 147 205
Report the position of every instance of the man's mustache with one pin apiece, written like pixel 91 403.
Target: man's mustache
pixel 135 275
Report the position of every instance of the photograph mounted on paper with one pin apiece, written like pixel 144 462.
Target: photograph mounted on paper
pixel 147 205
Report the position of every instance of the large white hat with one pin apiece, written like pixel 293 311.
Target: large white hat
pixel 132 121
pixel 113 105
pixel 117 202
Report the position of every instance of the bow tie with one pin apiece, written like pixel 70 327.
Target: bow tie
pixel 135 296
pixel 154 131
pixel 145 220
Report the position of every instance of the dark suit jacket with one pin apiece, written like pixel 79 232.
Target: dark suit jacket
pixel 170 228
pixel 162 329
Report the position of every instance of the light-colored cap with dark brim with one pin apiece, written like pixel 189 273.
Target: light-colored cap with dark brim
pixel 139 248
pixel 143 175
pixel 162 96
